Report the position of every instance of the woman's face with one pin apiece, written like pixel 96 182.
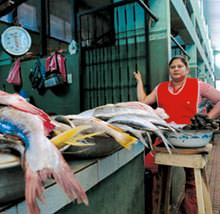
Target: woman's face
pixel 178 70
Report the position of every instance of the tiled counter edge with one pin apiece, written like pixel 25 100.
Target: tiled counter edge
pixel 55 198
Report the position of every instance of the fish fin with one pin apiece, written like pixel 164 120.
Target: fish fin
pixel 59 140
pixel 125 140
pixel 165 141
pixel 63 176
pixel 33 190
pixel 79 144
pixel 66 179
pixel 82 137
pixel 116 128
pixel 149 140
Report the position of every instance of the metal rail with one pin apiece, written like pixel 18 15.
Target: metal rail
pixel 179 46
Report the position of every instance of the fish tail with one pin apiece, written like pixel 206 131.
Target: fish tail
pixel 150 143
pixel 124 139
pixel 65 178
pixel 165 141
pixel 59 140
pixel 33 190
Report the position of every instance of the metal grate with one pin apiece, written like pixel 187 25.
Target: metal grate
pixel 113 45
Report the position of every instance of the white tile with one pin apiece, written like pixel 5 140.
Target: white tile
pixel 107 166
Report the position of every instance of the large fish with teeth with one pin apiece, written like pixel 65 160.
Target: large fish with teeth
pixel 42 160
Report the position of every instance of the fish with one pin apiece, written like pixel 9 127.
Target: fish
pixel 98 125
pixel 59 128
pixel 136 133
pixel 19 103
pixel 95 147
pixel 143 123
pixel 42 160
pixel 110 110
pixel 62 119
pixel 71 136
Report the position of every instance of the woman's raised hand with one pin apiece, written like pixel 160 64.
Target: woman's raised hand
pixel 137 76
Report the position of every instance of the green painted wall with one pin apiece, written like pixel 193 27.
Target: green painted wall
pixel 63 100
pixel 159 42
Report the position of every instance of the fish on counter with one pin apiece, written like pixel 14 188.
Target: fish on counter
pixel 97 125
pixel 42 160
pixel 95 147
pixel 139 122
pixel 139 134
pixel 110 110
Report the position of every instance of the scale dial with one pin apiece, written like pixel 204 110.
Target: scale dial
pixel 16 40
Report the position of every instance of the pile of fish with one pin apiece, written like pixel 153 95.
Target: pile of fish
pixel 123 123
pixel 40 158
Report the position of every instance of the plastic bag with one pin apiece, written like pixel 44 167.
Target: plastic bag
pixel 14 76
pixel 37 75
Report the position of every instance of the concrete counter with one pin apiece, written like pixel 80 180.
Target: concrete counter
pixel 95 176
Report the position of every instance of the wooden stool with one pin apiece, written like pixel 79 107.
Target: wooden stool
pixel 191 158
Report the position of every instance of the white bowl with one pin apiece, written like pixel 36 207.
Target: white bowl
pixel 190 138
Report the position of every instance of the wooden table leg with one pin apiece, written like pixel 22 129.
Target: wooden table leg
pixel 206 193
pixel 199 191
pixel 164 184
pixel 167 191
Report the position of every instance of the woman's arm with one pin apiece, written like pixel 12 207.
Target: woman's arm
pixel 212 94
pixel 141 94
pixel 215 111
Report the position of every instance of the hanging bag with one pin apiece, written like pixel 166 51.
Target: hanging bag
pixel 14 76
pixel 53 76
pixel 37 75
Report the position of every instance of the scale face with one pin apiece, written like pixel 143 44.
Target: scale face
pixel 16 40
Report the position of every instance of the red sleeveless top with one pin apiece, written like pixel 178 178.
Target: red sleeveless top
pixel 180 106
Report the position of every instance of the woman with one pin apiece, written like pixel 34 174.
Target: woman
pixel 181 98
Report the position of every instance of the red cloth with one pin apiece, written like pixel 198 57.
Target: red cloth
pixel 182 105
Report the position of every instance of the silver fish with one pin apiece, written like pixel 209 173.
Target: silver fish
pixel 137 121
pixel 109 110
pixel 137 133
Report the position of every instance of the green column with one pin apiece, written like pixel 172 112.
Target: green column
pixel 160 42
